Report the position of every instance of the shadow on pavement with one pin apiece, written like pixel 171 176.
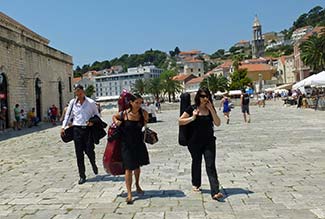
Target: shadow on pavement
pixel 155 193
pixel 10 133
pixel 229 192
pixel 236 191
pixel 106 178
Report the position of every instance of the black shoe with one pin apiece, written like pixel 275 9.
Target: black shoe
pixel 81 181
pixel 95 169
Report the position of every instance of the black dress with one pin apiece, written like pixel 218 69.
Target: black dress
pixel 133 149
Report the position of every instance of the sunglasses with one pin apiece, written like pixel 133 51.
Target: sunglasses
pixel 203 96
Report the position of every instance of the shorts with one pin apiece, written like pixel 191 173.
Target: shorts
pixel 245 109
pixel 17 118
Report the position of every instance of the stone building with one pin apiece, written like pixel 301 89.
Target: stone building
pixel 258 41
pixel 32 73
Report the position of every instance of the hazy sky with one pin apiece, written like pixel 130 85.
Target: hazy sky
pixel 105 29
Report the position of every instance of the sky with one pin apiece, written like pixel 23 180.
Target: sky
pixel 98 30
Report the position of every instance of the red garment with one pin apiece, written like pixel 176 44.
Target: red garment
pixel 54 111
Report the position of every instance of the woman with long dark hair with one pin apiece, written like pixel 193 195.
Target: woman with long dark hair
pixel 201 118
pixel 133 149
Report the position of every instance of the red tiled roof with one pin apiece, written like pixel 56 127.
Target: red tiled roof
pixel 195 61
pixel 181 77
pixel 192 52
pixel 195 80
pixel 256 67
pixel 226 64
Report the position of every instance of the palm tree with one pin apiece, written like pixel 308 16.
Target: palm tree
pixel 236 61
pixel 170 86
pixel 154 87
pixel 215 83
pixel 139 86
pixel 313 52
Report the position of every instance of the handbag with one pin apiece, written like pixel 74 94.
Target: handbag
pixel 68 132
pixel 150 136
pixel 68 135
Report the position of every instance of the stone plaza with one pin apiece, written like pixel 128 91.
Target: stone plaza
pixel 273 167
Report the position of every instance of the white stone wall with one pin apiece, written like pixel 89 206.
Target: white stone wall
pixel 24 57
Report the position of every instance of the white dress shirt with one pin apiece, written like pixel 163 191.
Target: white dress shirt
pixel 80 113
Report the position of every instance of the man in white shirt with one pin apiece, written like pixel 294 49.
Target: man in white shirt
pixel 82 109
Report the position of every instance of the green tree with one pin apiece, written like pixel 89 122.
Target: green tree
pixel 139 86
pixel 236 61
pixel 218 54
pixel 313 52
pixel 215 83
pixel 154 87
pixel 239 80
pixel 90 90
pixel 170 86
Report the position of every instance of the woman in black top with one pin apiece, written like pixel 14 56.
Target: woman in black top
pixel 133 149
pixel 201 117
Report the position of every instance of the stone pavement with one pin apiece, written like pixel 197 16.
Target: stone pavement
pixel 273 167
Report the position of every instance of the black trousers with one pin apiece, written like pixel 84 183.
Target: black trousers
pixel 83 144
pixel 209 153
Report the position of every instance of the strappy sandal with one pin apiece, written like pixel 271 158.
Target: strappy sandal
pixel 196 189
pixel 218 197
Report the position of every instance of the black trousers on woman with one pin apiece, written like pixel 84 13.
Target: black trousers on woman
pixel 83 144
pixel 209 153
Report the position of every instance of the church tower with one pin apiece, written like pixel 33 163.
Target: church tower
pixel 258 41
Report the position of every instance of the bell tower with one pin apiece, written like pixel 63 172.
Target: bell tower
pixel 258 41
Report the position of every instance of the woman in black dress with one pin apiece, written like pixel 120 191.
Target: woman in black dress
pixel 133 149
pixel 201 117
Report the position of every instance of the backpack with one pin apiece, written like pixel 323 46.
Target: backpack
pixel 184 130
pixel 124 100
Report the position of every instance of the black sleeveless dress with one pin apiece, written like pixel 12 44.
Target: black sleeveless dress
pixel 133 149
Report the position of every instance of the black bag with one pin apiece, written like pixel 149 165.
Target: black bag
pixel 183 132
pixel 114 131
pixel 150 136
pixel 68 132
pixel 68 135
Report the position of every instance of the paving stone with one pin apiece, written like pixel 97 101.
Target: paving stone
pixel 270 168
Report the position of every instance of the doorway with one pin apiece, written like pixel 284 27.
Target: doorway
pixel 38 94
pixel 4 95
pixel 60 97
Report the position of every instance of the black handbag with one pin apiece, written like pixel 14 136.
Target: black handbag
pixel 68 132
pixel 68 135
pixel 150 136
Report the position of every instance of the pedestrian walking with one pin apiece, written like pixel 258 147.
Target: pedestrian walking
pixel 82 109
pixel 244 103
pixel 201 118
pixel 17 117
pixel 133 149
pixel 226 109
